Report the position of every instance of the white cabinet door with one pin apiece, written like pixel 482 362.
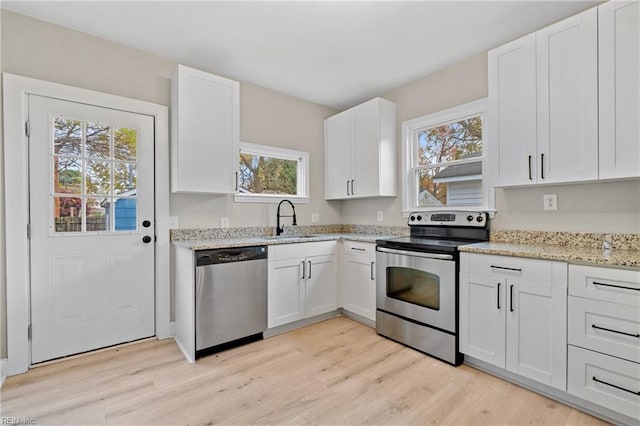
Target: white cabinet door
pixel 286 295
pixel 536 331
pixel 567 99
pixel 482 317
pixel 366 158
pixel 512 112
pixel 360 287
pixel 205 132
pixel 619 85
pixel 338 155
pixel 321 294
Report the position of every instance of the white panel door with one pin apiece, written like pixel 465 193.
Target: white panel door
pixel 92 209
pixel 366 145
pixel 338 133
pixel 619 85
pixel 567 91
pixel 482 318
pixel 286 294
pixel 321 290
pixel 360 287
pixel 512 117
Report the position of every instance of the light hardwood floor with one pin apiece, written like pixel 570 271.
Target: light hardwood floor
pixel 337 372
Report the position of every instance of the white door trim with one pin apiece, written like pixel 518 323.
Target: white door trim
pixel 16 187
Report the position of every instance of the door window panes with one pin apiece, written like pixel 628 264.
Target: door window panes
pixel 414 286
pixel 94 173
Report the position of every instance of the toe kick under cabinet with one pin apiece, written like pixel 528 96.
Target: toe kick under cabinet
pixel 604 337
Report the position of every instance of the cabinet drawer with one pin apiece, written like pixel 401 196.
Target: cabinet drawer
pixel 301 250
pixel 605 284
pixel 364 250
pixel 611 382
pixel 605 327
pixel 525 269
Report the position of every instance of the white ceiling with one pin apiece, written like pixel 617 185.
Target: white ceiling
pixel 332 53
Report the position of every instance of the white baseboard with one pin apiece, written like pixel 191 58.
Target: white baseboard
pixel 3 370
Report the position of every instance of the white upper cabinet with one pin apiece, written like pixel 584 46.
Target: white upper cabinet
pixel 360 151
pixel 567 99
pixel 543 98
pixel 205 131
pixel 619 73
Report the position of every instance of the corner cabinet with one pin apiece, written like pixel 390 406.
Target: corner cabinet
pixel 360 152
pixel 359 290
pixel 543 105
pixel 302 281
pixel 205 132
pixel 619 70
pixel 513 315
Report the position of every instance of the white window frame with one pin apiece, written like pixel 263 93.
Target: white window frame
pixel 410 128
pixel 285 154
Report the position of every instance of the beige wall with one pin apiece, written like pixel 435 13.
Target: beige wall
pixel 594 207
pixel 40 50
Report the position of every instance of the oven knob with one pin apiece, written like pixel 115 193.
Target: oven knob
pixel 469 218
pixel 413 218
pixel 419 218
pixel 479 218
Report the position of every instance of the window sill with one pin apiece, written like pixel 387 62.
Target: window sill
pixel 244 198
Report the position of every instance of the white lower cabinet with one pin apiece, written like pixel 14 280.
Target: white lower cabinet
pixel 302 281
pixel 513 315
pixel 359 290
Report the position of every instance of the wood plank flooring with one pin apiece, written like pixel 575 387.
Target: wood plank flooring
pixel 337 372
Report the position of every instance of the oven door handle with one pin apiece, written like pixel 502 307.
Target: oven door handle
pixel 415 254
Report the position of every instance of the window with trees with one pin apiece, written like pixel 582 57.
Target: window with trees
pixel 270 174
pixel 444 159
pixel 94 176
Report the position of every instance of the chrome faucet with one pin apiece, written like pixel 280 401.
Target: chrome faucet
pixel 280 230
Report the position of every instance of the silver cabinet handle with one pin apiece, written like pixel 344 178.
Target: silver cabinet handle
pixel 511 298
pixel 530 168
pixel 309 269
pixel 236 181
pixel 372 278
pixel 304 269
pixel 498 297
pixel 542 166
pixel 353 192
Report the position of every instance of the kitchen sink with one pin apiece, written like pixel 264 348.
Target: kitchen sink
pixel 289 237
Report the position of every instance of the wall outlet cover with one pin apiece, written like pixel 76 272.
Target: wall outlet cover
pixel 173 222
pixel 224 222
pixel 315 217
pixel 380 215
pixel 550 202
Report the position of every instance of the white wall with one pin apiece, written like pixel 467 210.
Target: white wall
pixel 45 51
pixel 594 207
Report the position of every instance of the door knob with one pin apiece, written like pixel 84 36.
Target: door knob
pixel 146 239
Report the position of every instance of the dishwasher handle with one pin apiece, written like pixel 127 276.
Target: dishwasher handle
pixel 230 255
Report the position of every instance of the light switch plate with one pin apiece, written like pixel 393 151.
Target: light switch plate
pixel 224 222
pixel 315 217
pixel 550 202
pixel 380 215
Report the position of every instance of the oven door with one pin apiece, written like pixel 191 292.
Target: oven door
pixel 418 286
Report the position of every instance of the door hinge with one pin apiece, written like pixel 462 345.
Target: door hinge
pixel 27 128
pixel 29 332
pixel 28 231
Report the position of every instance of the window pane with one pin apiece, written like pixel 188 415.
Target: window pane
pixel 454 185
pixel 125 210
pixel 97 214
pixel 125 178
pixel 67 175
pixel 98 177
pixel 98 145
pixel 125 144
pixel 450 142
pixel 268 175
pixel 67 136
pixel 67 214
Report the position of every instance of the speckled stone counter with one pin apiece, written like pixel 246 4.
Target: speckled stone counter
pixel 203 239
pixel 570 254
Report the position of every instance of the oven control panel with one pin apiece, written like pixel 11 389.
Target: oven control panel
pixel 451 218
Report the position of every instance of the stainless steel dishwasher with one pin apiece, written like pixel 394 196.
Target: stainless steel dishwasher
pixel 231 297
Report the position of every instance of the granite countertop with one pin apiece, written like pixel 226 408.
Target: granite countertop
pixel 214 243
pixel 571 254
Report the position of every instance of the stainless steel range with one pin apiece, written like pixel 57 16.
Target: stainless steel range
pixel 417 285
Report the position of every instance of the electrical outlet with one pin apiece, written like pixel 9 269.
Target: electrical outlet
pixel 173 222
pixel 224 222
pixel 550 202
pixel 380 216
pixel 315 217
